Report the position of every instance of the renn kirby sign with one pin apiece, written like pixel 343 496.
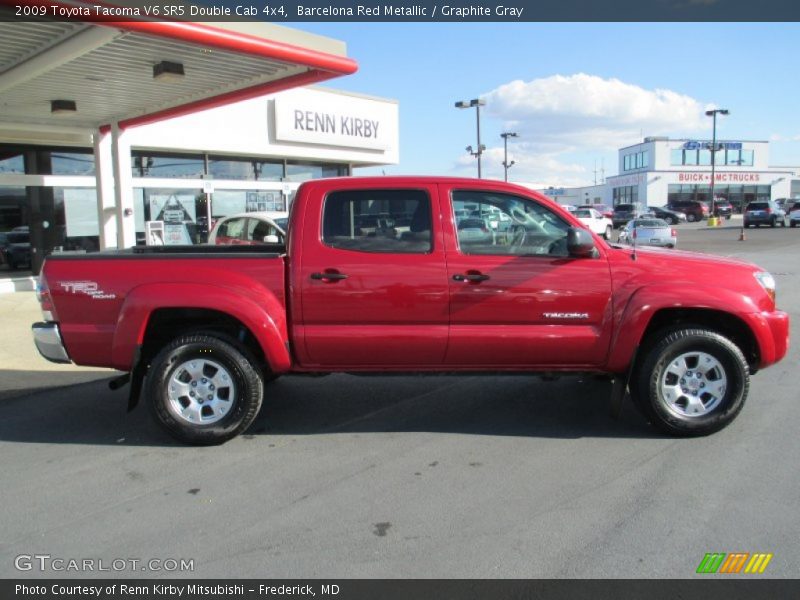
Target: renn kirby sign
pixel 331 119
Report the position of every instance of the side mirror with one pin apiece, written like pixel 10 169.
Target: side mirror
pixel 580 243
pixel 271 239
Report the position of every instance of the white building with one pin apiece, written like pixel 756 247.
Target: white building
pixel 660 170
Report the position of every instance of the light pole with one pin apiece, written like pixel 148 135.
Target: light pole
pixel 713 115
pixel 477 103
pixel 506 164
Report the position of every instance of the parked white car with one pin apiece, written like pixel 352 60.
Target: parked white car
pixel 247 229
pixel 595 221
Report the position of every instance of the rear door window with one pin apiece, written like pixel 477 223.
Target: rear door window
pixel 386 221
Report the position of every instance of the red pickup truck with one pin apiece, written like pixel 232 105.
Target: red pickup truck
pixel 410 275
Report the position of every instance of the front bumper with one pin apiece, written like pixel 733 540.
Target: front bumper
pixel 771 330
pixel 48 342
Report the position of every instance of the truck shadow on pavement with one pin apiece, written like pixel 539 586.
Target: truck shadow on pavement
pixel 570 407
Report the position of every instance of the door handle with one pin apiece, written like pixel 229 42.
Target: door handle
pixel 471 277
pixel 328 277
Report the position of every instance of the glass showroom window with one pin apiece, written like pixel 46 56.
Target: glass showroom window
pixel 172 166
pixel 13 207
pixel 227 168
pixel 269 170
pixel 183 212
pixel 307 171
pixel 71 163
pixel 232 202
pixel 676 157
pixel 76 219
pixel 11 161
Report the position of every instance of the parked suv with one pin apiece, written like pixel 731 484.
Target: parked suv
pixel 626 212
pixel 693 209
pixel 15 248
pixel 764 213
pixel 723 208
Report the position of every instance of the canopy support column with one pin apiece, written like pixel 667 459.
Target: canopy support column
pixel 104 173
pixel 123 188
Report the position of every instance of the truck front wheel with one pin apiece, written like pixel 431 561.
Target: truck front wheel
pixel 691 382
pixel 204 390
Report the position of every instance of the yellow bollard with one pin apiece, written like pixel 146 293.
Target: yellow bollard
pixel 713 221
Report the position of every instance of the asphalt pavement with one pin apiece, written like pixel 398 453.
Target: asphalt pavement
pixel 343 476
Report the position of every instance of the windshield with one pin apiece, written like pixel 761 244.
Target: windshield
pixel 650 223
pixel 583 214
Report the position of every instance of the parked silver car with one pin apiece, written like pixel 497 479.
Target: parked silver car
pixel 649 232
pixel 794 215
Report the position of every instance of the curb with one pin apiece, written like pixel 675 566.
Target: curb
pixel 18 284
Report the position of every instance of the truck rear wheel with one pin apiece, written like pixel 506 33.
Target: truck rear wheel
pixel 204 390
pixel 691 382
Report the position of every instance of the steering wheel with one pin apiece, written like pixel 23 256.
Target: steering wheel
pixel 518 215
pixel 518 235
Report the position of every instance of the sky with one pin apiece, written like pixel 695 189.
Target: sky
pixel 574 92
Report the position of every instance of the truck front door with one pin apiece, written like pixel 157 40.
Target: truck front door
pixel 517 299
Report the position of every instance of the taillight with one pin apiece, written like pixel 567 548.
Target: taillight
pixel 674 233
pixel 768 211
pixel 45 300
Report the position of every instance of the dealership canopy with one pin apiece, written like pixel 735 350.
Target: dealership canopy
pixel 91 79
pixel 67 75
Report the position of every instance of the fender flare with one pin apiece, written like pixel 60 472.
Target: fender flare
pixel 257 309
pixel 634 318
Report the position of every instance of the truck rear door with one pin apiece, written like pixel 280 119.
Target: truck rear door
pixel 372 277
pixel 516 298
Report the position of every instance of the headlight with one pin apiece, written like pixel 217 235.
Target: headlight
pixel 767 281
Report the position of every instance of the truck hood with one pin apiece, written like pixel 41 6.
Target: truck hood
pixel 713 280
pixel 651 257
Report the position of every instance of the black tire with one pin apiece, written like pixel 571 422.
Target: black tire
pixel 773 222
pixel 246 389
pixel 792 224
pixel 691 218
pixel 678 345
pixel 783 222
pixel 607 234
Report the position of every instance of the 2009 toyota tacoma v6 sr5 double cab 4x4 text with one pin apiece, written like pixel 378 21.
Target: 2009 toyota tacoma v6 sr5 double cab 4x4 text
pixel 414 275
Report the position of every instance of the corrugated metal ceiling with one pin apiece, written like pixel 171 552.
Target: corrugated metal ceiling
pixel 115 81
